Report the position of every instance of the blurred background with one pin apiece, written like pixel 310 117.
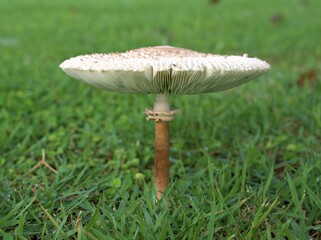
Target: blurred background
pixel 41 107
pixel 241 142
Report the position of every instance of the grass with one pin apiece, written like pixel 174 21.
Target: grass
pixel 245 163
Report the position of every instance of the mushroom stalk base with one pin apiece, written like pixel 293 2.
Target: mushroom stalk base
pixel 162 115
pixel 161 157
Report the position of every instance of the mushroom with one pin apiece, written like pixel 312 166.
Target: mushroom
pixel 164 71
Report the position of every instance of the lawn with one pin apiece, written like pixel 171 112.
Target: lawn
pixel 76 162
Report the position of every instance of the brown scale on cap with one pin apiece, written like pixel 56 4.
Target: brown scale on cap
pixel 161 51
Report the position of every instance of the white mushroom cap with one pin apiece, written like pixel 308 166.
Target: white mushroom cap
pixel 164 69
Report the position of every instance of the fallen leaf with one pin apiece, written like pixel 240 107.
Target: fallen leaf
pixel 308 78
pixel 214 1
pixel 277 18
pixel 73 9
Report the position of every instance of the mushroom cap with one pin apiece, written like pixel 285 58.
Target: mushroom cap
pixel 164 69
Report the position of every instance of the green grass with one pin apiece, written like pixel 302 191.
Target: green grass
pixel 245 163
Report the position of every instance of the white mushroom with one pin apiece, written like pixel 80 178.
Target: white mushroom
pixel 163 71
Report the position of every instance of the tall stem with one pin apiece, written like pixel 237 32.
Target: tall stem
pixel 161 157
pixel 161 146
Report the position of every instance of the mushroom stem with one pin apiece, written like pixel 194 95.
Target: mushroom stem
pixel 161 146
pixel 162 103
pixel 161 157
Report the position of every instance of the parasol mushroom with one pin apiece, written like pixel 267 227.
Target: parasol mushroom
pixel 164 71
